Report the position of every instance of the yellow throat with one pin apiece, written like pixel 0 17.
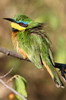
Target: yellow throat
pixel 17 26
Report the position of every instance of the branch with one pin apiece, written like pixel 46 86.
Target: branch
pixel 11 89
pixel 11 53
pixel 16 55
pixel 60 65
pixel 1 77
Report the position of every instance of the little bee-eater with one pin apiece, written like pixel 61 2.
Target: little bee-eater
pixel 31 42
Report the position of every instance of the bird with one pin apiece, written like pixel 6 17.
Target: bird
pixel 30 41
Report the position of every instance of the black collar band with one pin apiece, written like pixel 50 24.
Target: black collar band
pixel 15 30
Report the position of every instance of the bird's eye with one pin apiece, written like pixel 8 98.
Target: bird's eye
pixel 22 24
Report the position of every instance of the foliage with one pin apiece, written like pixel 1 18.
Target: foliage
pixel 20 86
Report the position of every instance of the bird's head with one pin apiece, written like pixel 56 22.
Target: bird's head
pixel 19 22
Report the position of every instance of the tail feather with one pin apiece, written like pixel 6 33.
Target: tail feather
pixel 58 84
pixel 54 74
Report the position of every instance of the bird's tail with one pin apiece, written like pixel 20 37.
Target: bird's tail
pixel 58 82
pixel 53 74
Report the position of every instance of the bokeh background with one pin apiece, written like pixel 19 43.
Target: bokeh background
pixel 39 83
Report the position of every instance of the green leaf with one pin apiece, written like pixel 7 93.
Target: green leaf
pixel 20 86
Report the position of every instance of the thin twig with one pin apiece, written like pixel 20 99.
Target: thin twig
pixel 11 89
pixel 1 77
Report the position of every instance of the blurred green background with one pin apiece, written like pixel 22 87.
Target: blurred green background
pixel 39 83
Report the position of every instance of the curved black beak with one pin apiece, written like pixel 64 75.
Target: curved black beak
pixel 10 19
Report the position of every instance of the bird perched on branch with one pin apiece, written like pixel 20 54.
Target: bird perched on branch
pixel 31 42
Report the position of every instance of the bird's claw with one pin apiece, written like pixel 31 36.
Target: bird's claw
pixel 63 73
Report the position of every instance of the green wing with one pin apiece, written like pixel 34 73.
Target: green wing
pixel 35 55
pixel 43 44
pixel 46 57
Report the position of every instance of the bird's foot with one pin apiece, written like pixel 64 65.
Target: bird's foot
pixel 63 73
